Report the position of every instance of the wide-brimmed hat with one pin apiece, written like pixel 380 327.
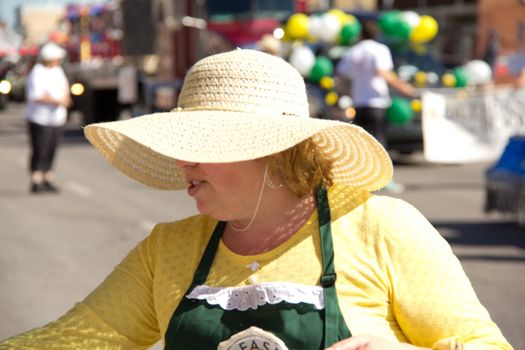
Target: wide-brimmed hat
pixel 236 106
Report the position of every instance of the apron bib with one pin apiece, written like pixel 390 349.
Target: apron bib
pixel 196 324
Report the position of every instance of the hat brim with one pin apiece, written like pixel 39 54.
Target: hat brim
pixel 145 148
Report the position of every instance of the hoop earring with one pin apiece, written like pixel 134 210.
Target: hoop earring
pixel 268 182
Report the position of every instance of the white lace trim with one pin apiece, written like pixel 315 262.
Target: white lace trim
pixel 251 297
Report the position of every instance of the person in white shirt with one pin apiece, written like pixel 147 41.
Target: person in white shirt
pixel 369 67
pixel 47 96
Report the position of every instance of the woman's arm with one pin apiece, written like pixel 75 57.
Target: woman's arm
pixel 432 298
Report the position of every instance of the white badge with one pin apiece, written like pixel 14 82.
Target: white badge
pixel 253 338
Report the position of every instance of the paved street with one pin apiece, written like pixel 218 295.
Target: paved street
pixel 54 249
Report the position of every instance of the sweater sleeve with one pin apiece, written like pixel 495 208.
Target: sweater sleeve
pixel 432 298
pixel 118 314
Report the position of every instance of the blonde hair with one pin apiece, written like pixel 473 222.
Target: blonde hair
pixel 302 167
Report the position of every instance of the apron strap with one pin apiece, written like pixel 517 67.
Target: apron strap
pixel 207 257
pixel 331 304
pixel 333 321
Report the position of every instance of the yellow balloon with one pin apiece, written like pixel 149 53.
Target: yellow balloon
pixel 297 26
pixel 331 98
pixel 416 105
pixel 426 30
pixel 448 79
pixel 326 82
pixel 420 78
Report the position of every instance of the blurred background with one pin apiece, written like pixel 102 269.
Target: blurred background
pixel 458 147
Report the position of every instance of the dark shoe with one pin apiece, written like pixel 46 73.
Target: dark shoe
pixel 49 187
pixel 37 188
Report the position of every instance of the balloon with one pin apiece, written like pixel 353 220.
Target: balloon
pixel 393 25
pixel 330 28
pixel 448 79
pixel 316 27
pixel 341 16
pixel 425 31
pixel 345 102
pixel 303 59
pixel 322 67
pixel 388 21
pixel 411 18
pixel 478 72
pixel 327 82
pixel 406 72
pixel 297 26
pixel 416 105
pixel 350 32
pixel 432 78
pixel 461 76
pixel 400 111
pixel 331 98
pixel 402 30
pixel 420 78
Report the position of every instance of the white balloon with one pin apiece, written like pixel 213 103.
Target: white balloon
pixel 407 72
pixel 330 28
pixel 432 78
pixel 303 59
pixel 345 102
pixel 411 17
pixel 315 26
pixel 478 72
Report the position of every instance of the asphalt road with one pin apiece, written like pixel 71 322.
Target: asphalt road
pixel 54 249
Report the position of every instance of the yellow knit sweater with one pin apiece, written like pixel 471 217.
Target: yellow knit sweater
pixel 397 279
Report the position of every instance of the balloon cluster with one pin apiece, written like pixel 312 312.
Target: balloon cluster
pixel 335 28
pixel 475 72
pixel 408 26
pixel 332 27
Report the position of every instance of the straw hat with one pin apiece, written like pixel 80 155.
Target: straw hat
pixel 236 106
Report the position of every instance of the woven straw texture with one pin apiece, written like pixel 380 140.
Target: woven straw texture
pixel 236 106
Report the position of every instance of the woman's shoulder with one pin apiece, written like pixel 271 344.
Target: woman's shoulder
pixel 374 211
pixel 195 226
pixel 345 199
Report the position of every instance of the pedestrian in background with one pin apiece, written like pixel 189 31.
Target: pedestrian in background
pixel 47 96
pixel 369 66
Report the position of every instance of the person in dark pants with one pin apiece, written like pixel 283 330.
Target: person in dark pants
pixel 369 66
pixel 47 95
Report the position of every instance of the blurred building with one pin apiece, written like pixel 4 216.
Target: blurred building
pixel 37 21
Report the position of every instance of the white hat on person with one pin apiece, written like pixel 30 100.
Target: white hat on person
pixel 237 106
pixel 51 52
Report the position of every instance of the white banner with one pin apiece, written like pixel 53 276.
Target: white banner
pixel 460 127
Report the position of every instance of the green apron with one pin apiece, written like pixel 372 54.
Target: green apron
pixel 196 324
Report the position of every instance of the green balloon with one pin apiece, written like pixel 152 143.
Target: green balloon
pixel 322 67
pixel 350 32
pixel 461 76
pixel 388 22
pixel 402 30
pixel 394 26
pixel 400 112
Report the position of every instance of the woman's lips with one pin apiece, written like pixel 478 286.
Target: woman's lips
pixel 194 187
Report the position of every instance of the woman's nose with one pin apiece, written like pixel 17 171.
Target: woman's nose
pixel 183 163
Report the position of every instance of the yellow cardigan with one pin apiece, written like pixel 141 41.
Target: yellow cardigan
pixel 397 279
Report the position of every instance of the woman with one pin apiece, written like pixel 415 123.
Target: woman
pixel 47 95
pixel 290 251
